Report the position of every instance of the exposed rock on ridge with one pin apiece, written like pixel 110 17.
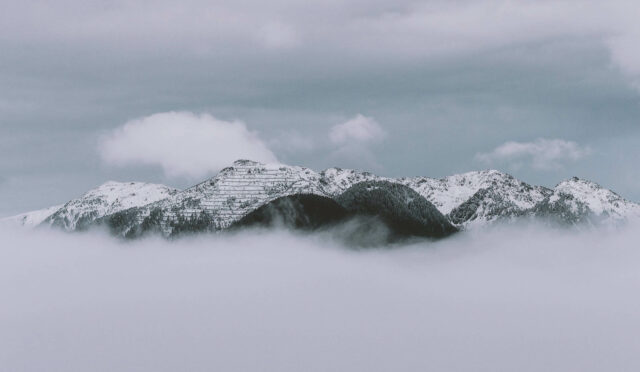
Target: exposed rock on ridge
pixel 468 200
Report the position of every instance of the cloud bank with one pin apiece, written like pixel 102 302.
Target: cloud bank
pixel 541 154
pixel 374 28
pixel 183 144
pixel 509 300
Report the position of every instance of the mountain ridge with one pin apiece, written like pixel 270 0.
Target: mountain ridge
pixel 108 198
pixel 468 200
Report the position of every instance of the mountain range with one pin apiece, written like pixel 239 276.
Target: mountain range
pixel 249 193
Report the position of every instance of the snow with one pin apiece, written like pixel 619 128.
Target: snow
pixel 31 219
pixel 450 192
pixel 108 198
pixel 239 189
pixel 246 185
pixel 601 201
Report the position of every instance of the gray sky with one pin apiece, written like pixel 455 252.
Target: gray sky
pixel 544 90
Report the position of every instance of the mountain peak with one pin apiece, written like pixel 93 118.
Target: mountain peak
pixel 108 198
pixel 599 200
pixel 246 162
pixel 578 180
pixel 120 184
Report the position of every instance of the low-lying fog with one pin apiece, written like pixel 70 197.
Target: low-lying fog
pixel 518 299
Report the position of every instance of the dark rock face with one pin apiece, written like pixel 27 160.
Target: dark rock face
pixel 486 204
pixel 299 211
pixel 563 209
pixel 121 223
pixel 405 212
pixel 370 213
pixel 128 223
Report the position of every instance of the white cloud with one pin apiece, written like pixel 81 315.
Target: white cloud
pixel 360 129
pixel 183 144
pixel 542 154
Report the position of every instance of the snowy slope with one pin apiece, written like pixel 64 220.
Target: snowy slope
pixel 498 196
pixel 236 191
pixel 450 192
pixel 469 200
pixel 243 187
pixel 106 199
pixel 576 195
pixel 30 219
pixel 335 181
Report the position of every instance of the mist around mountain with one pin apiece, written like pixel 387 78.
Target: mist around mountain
pixel 252 194
pixel 270 299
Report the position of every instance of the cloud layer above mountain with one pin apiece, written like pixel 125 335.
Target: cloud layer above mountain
pixel 371 28
pixel 183 144
pixel 509 300
pixel 542 154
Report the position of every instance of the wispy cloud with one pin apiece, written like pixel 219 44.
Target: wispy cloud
pixel 541 154
pixel 352 141
pixel 360 129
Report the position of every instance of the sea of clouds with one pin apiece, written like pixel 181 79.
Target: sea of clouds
pixel 508 299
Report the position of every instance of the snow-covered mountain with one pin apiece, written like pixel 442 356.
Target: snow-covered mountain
pixel 234 192
pixel 468 200
pixel 497 196
pixel 109 198
pixel 476 198
pixel 581 201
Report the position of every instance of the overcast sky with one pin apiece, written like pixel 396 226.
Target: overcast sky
pixel 98 90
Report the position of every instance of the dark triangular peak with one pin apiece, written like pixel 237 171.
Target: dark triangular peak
pixel 299 211
pixel 405 212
